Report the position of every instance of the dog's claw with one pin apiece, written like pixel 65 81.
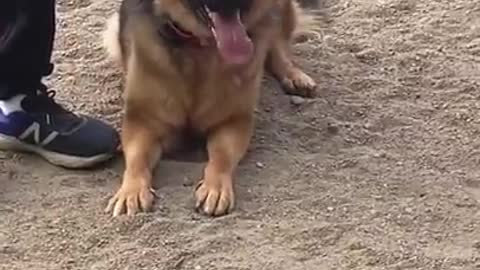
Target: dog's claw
pixel 214 199
pixel 131 200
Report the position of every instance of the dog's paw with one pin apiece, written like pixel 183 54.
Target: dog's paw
pixel 214 197
pixel 131 198
pixel 296 82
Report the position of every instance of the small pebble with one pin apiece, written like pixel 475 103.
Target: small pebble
pixel 368 125
pixel 332 128
pixel 329 40
pixel 296 100
pixel 6 249
pixel 356 246
pixel 330 209
pixel 379 155
pixel 260 165
pixel 187 182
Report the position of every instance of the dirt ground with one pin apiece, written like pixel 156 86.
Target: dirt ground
pixel 381 171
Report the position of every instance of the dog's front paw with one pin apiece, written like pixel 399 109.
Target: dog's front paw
pixel 215 197
pixel 296 82
pixel 131 198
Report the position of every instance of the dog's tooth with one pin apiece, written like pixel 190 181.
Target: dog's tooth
pixel 213 32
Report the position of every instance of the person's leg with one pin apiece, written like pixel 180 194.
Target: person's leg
pixel 26 48
pixel 30 120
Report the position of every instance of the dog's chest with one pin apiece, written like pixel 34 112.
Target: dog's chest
pixel 216 94
pixel 214 91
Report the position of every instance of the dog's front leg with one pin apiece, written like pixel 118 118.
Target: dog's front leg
pixel 142 150
pixel 280 60
pixel 227 144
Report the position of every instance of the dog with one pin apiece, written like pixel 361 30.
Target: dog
pixel 198 65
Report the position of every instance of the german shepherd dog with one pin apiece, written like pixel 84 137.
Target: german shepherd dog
pixel 197 65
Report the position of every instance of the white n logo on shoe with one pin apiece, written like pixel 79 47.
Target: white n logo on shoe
pixel 34 129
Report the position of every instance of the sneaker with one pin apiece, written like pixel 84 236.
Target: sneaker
pixel 37 124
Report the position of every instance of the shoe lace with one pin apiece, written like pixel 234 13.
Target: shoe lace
pixel 45 100
pixel 44 103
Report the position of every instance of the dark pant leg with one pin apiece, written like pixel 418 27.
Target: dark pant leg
pixel 27 29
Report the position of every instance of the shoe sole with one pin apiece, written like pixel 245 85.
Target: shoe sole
pixel 73 162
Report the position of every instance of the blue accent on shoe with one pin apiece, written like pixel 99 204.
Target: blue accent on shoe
pixel 38 124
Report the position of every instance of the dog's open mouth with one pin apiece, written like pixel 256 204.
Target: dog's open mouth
pixel 233 42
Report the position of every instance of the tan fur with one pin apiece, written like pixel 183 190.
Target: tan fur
pixel 166 92
pixel 110 38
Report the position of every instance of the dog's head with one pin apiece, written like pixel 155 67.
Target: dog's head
pixel 227 21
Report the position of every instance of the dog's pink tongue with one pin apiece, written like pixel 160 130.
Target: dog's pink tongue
pixel 233 43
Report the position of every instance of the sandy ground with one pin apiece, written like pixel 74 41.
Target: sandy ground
pixel 381 171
